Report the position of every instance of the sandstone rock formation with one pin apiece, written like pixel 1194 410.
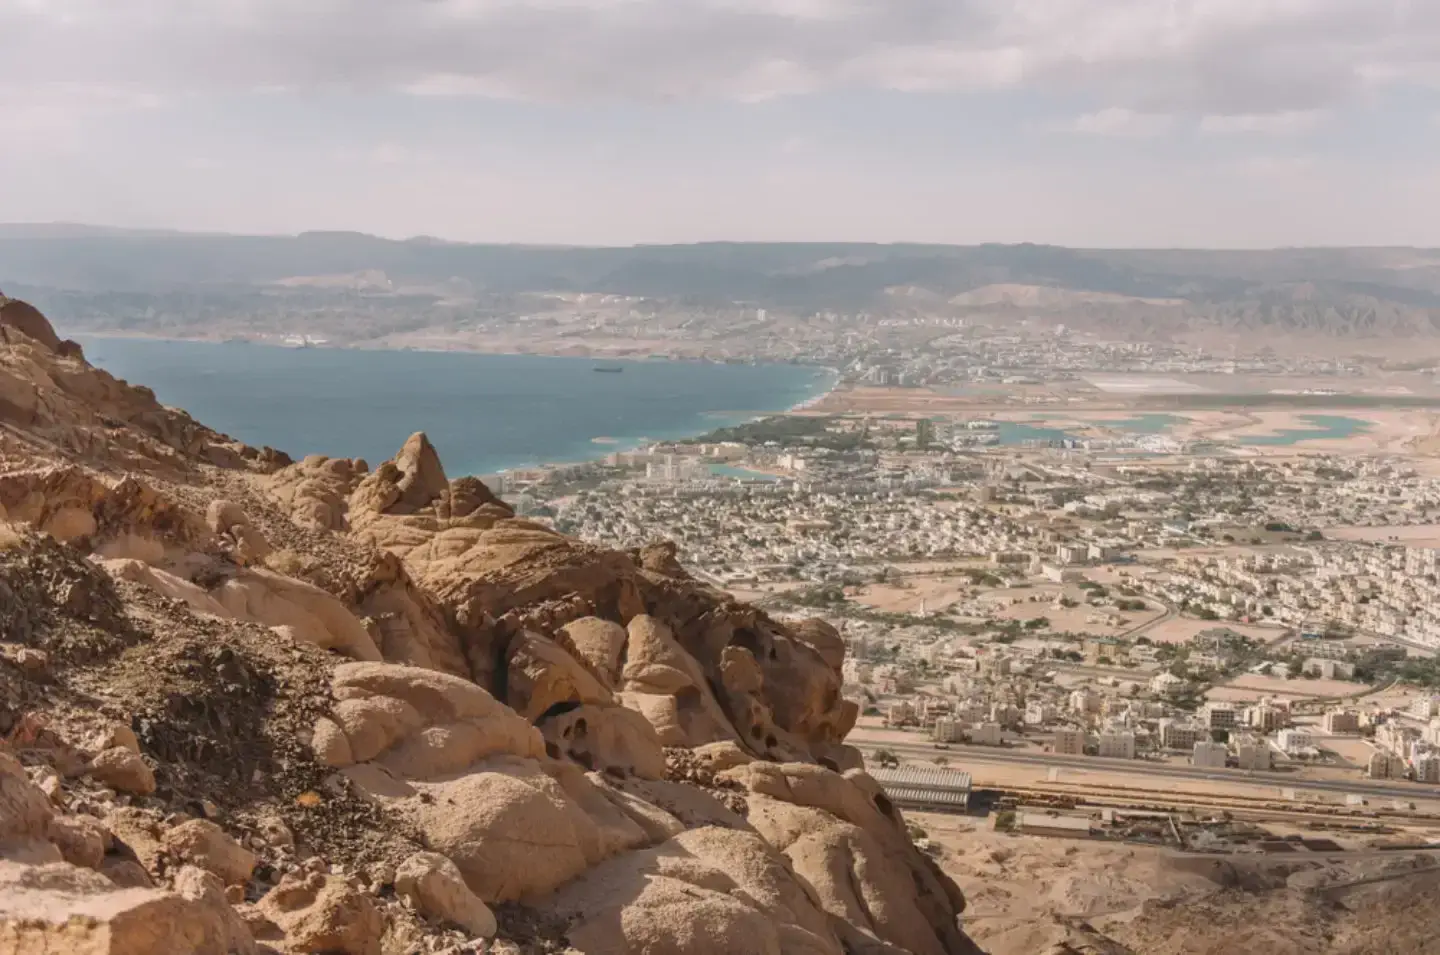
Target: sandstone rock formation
pixel 314 707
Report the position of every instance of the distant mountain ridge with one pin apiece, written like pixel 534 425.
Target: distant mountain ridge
pixel 1340 291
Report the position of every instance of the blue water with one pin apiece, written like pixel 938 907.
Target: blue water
pixel 484 413
pixel 1323 426
pixel 1015 432
pixel 730 471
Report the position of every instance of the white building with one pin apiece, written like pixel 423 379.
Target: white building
pixel 1166 684
pixel 1117 744
pixel 1329 669
pixel 899 713
pixel 986 734
pixel 1385 766
pixel 1180 734
pixel 947 730
pixel 1266 717
pixel 1253 754
pixel 1038 713
pixel 1208 755
pixel 1294 740
pixel 1425 707
pixel 1219 716
pixel 1427 768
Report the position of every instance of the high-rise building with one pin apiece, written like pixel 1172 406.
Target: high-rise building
pixel 1219 716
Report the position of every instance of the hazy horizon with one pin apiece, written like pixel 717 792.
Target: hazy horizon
pixel 1193 124
pixel 101 230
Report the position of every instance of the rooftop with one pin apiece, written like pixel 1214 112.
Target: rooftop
pixel 915 777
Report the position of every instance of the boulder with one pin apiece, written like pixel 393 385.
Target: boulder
pixel 82 840
pixel 123 770
pixel 375 723
pixel 461 722
pixel 314 491
pixel 113 735
pixel 25 813
pixel 666 685
pixel 70 524
pixel 541 675
pixel 164 583
pixel 659 557
pixel 510 829
pixel 845 838
pixel 222 515
pixel 125 873
pixel 213 915
pixel 205 845
pixel 598 644
pixel 608 738
pixel 316 913
pixel 137 835
pixel 411 627
pixel 304 611
pixel 61 908
pixel 705 892
pixel 422 477
pixel 434 885
pixel 824 639
pixel 26 319
pixel 328 742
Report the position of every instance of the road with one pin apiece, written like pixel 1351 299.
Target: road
pixel 1141 629
pixel 959 755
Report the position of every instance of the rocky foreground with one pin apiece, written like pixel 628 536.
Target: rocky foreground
pixel 253 705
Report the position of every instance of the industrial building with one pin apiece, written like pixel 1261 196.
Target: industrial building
pixel 914 787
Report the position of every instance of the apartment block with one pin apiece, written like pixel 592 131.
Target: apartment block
pixel 1070 741
pixel 1208 755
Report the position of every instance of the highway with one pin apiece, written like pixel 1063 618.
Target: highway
pixel 961 756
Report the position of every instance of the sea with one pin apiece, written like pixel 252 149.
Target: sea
pixel 484 413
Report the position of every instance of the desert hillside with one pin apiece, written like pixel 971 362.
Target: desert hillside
pixel 256 705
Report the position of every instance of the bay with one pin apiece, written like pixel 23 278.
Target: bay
pixel 484 413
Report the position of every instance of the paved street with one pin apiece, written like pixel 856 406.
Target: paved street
pixel 962 757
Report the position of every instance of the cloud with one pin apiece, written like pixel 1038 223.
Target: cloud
pixel 56 114
pixel 1274 124
pixel 1117 121
pixel 1226 58
pixel 1279 168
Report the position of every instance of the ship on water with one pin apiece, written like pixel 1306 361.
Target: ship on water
pixel 609 369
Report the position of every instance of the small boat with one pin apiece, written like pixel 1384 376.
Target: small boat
pixel 609 369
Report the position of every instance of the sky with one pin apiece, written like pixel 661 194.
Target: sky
pixel 1096 123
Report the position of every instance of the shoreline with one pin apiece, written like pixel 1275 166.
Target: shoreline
pixel 331 346
pixel 603 445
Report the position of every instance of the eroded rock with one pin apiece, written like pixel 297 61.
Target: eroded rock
pixel 436 888
pixel 123 769
pixel 310 914
pixel 205 845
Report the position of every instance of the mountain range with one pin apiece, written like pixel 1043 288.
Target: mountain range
pixel 1339 291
